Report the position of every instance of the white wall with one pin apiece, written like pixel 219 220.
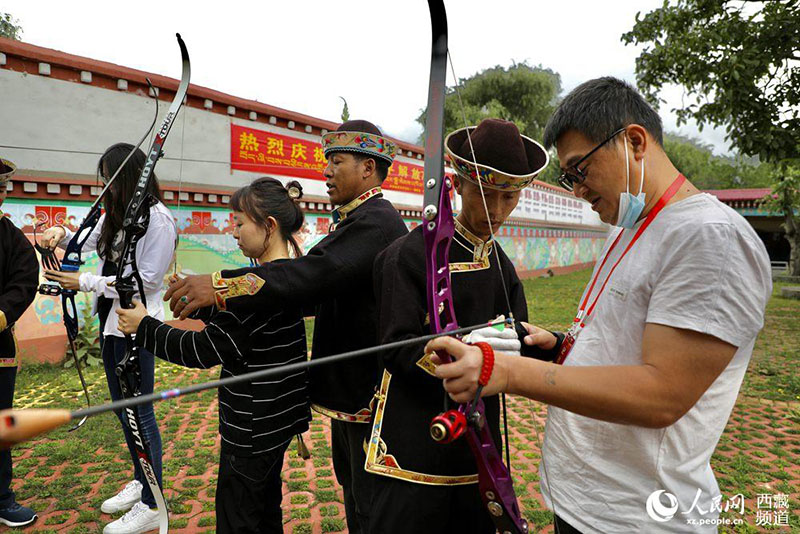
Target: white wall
pixel 42 112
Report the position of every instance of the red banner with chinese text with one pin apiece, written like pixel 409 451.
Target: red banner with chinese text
pixel 267 152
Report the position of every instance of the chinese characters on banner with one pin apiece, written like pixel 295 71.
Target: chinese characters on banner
pixel 259 151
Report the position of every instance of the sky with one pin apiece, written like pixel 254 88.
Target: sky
pixel 303 55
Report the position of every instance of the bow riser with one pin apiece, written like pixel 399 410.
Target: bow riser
pixel 438 233
pixel 494 482
pixel 134 227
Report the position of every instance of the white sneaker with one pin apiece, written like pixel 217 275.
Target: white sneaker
pixel 124 500
pixel 137 520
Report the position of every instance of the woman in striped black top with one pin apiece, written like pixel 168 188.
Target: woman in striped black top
pixel 257 420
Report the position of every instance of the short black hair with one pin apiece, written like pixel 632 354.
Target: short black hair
pixel 599 107
pixel 381 165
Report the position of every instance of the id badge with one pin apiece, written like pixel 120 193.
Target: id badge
pixel 569 341
pixel 566 346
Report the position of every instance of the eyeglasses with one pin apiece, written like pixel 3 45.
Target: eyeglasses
pixel 568 179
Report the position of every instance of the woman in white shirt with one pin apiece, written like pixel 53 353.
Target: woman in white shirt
pixel 154 254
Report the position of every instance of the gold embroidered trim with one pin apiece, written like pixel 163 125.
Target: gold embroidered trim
pixel 481 250
pixel 216 280
pixel 481 247
pixel 9 362
pixel 248 284
pixel 363 415
pixel 380 462
pixel 426 364
pixel 360 142
pixel 471 266
pixel 340 213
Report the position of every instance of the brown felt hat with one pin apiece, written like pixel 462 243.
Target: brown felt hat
pixel 7 170
pixel 506 159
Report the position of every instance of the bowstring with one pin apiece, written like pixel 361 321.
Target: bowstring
pixel 492 239
pixel 496 246
pixel 180 189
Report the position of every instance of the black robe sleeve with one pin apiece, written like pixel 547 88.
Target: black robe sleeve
pixel 19 279
pixel 20 276
pixel 400 291
pixel 341 261
pixel 224 341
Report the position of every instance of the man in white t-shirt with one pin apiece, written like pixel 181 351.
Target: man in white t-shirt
pixel 662 338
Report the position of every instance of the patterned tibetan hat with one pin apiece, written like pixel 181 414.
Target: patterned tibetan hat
pixel 359 136
pixel 7 170
pixel 507 160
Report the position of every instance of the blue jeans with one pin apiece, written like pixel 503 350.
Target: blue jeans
pixel 113 348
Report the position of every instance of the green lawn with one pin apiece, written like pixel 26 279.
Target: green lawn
pixel 65 476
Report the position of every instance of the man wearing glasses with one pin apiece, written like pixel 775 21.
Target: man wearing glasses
pixel 645 379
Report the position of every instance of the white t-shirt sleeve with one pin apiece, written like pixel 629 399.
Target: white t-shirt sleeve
pixel 716 282
pixel 154 254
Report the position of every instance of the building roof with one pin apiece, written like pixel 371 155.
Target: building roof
pixel 18 56
pixel 25 57
pixel 730 195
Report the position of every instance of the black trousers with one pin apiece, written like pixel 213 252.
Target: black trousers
pixel 562 527
pixel 249 493
pixel 402 507
pixel 8 378
pixel 347 449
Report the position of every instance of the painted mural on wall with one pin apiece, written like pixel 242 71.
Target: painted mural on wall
pixel 206 245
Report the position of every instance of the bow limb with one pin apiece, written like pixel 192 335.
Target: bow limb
pixel 494 481
pixel 72 262
pixel 129 282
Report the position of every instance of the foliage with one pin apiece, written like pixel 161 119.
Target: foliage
pixel 551 173
pixel 785 197
pixel 738 61
pixel 87 344
pixel 708 171
pixel 9 27
pixel 520 93
pixel 345 111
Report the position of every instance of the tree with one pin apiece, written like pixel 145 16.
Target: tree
pixel 520 93
pixel 785 197
pixel 9 27
pixel 740 64
pixel 707 171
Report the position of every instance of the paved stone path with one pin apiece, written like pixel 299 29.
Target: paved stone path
pixel 65 476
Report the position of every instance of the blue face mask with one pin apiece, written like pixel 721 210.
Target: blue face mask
pixel 630 207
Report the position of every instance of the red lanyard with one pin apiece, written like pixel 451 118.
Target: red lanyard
pixel 580 319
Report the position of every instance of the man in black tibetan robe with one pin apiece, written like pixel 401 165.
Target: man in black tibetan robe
pixel 425 486
pixel 335 280
pixel 19 278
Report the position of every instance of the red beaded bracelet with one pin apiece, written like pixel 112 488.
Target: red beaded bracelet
pixel 488 362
